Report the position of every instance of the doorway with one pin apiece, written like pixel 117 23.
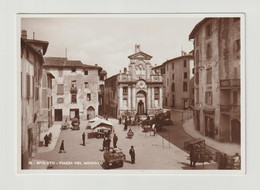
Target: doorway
pixel 58 114
pixel 209 127
pixel 140 108
pixel 141 103
pixel 90 112
pixel 235 131
pixel 74 113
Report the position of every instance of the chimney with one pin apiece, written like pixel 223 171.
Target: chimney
pixel 24 34
pixel 137 48
pixel 125 70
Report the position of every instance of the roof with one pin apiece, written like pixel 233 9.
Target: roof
pixel 170 60
pixel 140 53
pixel 64 62
pixel 51 75
pixel 103 122
pixel 197 27
pixel 43 43
pixel 26 44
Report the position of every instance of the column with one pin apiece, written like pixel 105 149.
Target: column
pixel 120 97
pixel 148 98
pixel 152 97
pixel 160 98
pixel 133 97
pixel 129 98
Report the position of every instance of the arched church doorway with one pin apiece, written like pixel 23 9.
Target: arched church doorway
pixel 141 103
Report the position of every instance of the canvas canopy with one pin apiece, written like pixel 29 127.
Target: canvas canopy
pixel 101 123
pixel 95 119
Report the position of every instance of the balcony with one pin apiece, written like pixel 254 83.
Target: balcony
pixel 229 83
pixel 230 109
pixel 73 90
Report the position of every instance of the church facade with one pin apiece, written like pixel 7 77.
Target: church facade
pixel 137 90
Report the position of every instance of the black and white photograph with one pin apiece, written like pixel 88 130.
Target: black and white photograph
pixel 131 92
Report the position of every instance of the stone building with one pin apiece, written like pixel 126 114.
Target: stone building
pixel 75 89
pixel 217 78
pixel 46 111
pixel 176 81
pixel 192 91
pixel 137 90
pixel 32 52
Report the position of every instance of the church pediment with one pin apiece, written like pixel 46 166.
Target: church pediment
pixel 140 55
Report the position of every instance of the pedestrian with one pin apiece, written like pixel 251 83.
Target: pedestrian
pixel 108 143
pixel 115 139
pixel 50 137
pixel 193 156
pixel 132 154
pixel 120 120
pixel 220 162
pixel 46 140
pixel 104 144
pixel 62 147
pixel 125 128
pixel 225 161
pixel 236 161
pixel 83 138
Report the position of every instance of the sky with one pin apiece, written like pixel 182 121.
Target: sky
pixel 108 40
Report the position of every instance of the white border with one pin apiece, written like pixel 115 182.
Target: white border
pixel 8 176
pixel 150 172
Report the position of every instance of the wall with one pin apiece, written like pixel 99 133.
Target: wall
pixel 82 103
pixel 30 106
pixel 178 71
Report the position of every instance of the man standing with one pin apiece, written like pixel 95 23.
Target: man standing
pixel 83 138
pixel 46 140
pixel 125 125
pixel 115 139
pixel 104 144
pixel 132 154
pixel 108 143
pixel 62 147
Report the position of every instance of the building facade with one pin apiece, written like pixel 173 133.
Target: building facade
pixel 137 90
pixel 75 89
pixel 176 81
pixel 32 52
pixel 217 78
pixel 46 106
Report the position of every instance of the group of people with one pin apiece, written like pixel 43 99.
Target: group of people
pixel 223 161
pixel 47 139
pixel 107 142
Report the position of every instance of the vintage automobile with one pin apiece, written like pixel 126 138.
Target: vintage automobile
pixel 114 157
pixel 75 124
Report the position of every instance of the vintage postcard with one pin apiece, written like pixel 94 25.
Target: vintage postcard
pixel 158 93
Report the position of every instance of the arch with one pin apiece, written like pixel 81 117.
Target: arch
pixel 90 112
pixel 141 102
pixel 235 131
pixel 141 93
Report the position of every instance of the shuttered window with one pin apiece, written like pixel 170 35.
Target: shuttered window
pixel 28 86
